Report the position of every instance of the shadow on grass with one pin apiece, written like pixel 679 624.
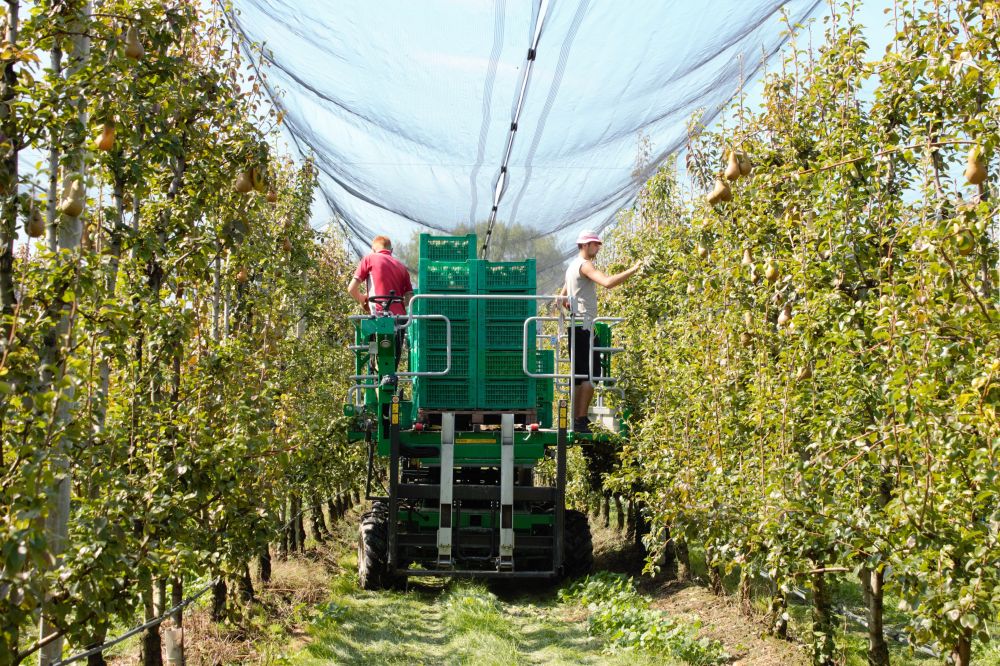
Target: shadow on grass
pixel 390 627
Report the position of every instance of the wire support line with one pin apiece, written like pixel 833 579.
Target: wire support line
pixel 500 186
pixel 148 625
pixel 169 613
pixel 895 634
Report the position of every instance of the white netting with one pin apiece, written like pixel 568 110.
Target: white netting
pixel 408 105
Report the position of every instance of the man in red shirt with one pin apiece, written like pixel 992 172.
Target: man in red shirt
pixel 383 273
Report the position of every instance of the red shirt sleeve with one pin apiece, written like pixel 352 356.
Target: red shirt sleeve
pixel 409 285
pixel 364 268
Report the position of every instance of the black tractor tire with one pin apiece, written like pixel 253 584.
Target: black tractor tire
pixel 373 550
pixel 578 546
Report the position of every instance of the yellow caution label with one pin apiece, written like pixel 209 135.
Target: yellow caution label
pixel 472 440
pixel 563 415
pixel 394 414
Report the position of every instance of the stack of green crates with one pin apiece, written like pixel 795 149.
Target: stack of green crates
pixel 503 383
pixel 447 266
pixel 487 335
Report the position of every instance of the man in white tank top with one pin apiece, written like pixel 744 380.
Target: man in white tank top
pixel 582 278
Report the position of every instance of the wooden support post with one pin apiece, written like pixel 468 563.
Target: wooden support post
pixel 173 638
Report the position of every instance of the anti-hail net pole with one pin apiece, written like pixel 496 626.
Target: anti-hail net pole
pixel 500 185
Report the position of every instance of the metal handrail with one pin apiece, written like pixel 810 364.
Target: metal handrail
pixel 573 316
pixel 409 317
pixel 447 345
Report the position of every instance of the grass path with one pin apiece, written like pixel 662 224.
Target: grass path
pixel 453 623
pixel 450 622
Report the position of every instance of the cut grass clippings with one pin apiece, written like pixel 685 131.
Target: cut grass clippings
pixel 456 623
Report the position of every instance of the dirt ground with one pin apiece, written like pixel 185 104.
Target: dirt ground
pixel 745 638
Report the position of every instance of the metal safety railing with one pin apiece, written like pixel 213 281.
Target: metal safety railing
pixel 569 334
pixel 566 327
pixel 354 393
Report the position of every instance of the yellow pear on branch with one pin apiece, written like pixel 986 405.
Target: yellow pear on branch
pixel 975 167
pixel 36 223
pixel 733 171
pixel 73 199
pixel 107 139
pixel 745 166
pixel 133 45
pixel 771 272
pixel 785 318
pixel 243 183
pixel 722 192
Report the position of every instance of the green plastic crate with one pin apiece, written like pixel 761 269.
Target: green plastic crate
pixel 602 338
pixel 431 333
pixel 435 360
pixel 443 393
pixel 544 414
pixel 508 309
pixel 447 277
pixel 506 394
pixel 447 248
pixel 545 362
pixel 506 276
pixel 455 309
pixel 496 334
pixel 501 364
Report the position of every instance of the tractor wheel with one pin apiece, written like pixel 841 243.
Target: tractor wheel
pixel 578 547
pixel 373 549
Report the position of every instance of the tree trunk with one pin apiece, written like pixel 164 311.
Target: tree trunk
pixel 151 648
pixel 962 654
pixel 641 525
pixel 265 564
pixel 606 511
pixel 57 521
pixel 619 514
pixel 822 616
pixel 300 529
pixel 871 589
pixel 293 523
pixel 219 594
pixel 630 521
pixel 247 594
pixel 745 593
pixel 683 559
pixel 176 598
pixel 100 636
pixel 8 165
pixel 316 516
pixel 331 510
pixel 776 611
pixel 715 580
pixel 283 543
pixel 343 504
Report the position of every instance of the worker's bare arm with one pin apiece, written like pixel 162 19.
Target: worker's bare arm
pixel 608 281
pixel 354 289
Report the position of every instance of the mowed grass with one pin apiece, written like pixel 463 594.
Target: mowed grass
pixel 453 622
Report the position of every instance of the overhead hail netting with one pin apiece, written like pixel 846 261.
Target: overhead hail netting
pixel 408 106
